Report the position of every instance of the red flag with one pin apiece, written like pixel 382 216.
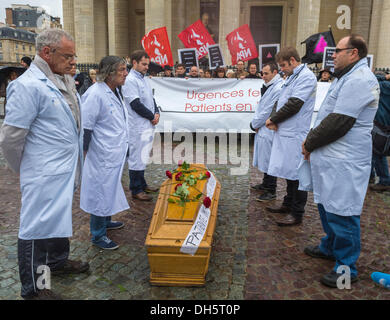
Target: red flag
pixel 196 36
pixel 241 44
pixel 156 45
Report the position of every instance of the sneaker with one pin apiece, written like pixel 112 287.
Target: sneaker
pixel 71 266
pixel 106 244
pixel 112 225
pixel 44 294
pixel 267 196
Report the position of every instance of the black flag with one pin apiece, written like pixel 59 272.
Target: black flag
pixel 315 46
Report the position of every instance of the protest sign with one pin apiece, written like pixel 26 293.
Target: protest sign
pixel 215 57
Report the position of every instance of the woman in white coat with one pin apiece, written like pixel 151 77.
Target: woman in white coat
pixel 106 141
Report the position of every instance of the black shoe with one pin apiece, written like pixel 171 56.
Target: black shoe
pixel 266 196
pixel 258 187
pixel 280 209
pixel 315 252
pixel 72 266
pixel 289 220
pixel 379 187
pixel 44 294
pixel 330 279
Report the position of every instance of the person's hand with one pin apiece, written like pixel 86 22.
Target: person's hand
pixel 305 153
pixel 271 126
pixel 156 119
pixel 242 77
pixel 257 130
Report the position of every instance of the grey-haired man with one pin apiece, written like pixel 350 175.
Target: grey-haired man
pixel 41 140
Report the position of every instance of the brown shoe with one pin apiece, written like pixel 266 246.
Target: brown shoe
pixel 288 220
pixel 279 209
pixel 151 190
pixel 44 294
pixel 72 266
pixel 143 197
pixel 379 187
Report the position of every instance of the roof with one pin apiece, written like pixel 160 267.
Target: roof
pixel 17 34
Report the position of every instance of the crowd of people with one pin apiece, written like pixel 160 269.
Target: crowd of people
pixel 337 152
pixel 238 72
pixel 59 139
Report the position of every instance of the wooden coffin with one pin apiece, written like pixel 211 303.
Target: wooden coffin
pixel 168 230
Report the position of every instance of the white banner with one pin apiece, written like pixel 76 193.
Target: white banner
pixel 210 104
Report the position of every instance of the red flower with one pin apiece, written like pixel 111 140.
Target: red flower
pixel 180 163
pixel 208 175
pixel 177 186
pixel 179 176
pixel 207 202
pixel 169 174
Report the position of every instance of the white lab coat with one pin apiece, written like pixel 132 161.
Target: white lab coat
pixel 142 131
pixel 341 170
pixel 101 188
pixel 51 152
pixel 264 137
pixel 286 153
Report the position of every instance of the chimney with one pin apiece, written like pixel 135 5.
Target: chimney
pixel 8 16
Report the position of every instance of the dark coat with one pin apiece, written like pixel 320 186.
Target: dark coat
pixel 383 113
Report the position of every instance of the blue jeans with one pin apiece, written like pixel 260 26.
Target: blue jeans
pixel 342 239
pixel 98 227
pixel 137 181
pixel 381 168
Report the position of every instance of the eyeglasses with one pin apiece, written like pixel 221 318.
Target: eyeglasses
pixel 338 50
pixel 68 57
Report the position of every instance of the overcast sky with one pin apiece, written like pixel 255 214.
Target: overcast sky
pixel 52 7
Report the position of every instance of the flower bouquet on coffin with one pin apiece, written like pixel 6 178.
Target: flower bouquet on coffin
pixel 188 191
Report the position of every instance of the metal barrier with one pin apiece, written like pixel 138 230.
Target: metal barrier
pixel 85 67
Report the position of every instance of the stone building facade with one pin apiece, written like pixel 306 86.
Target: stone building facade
pixel 30 18
pixel 116 27
pixel 15 44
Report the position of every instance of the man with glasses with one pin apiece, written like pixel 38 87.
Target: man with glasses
pixel 240 73
pixel 339 149
pixel 41 140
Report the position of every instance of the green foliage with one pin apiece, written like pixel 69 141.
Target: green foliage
pixel 188 180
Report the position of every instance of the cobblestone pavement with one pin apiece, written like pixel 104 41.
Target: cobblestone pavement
pixel 251 258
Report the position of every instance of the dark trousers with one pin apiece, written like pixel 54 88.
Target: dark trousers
pixel 269 182
pixel 34 253
pixel 295 199
pixel 137 181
